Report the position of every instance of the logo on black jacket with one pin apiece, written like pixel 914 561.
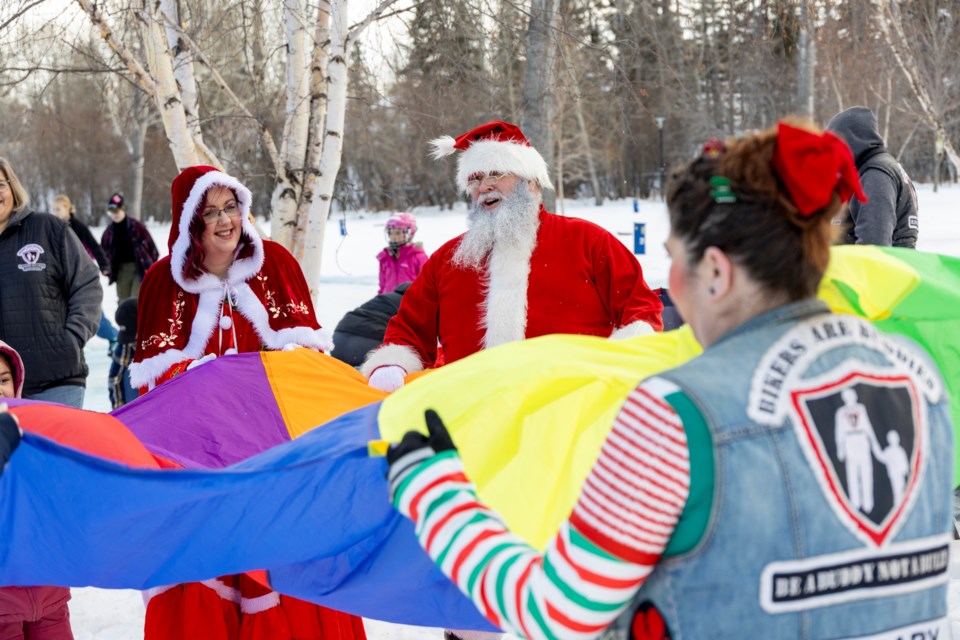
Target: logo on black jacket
pixel 30 254
pixel 864 437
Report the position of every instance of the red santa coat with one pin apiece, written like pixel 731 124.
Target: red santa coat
pixel 575 278
pixel 268 310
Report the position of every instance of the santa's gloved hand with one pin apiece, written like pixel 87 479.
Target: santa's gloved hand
pixel 415 449
pixel 388 378
pixel 205 359
pixel 9 435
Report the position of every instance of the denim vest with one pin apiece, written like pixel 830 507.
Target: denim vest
pixel 817 528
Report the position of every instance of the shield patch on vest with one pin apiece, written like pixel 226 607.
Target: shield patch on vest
pixel 863 435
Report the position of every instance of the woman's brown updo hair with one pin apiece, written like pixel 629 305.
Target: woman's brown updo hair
pixel 784 251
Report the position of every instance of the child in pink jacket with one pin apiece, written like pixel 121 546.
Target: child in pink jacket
pixel 28 613
pixel 402 259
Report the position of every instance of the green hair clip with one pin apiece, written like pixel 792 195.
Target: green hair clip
pixel 721 190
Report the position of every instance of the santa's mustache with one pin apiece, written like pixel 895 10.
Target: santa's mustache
pixel 510 224
pixel 484 198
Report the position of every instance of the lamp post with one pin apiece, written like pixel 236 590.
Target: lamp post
pixel 663 169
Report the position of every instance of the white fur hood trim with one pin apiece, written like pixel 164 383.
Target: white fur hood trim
pixel 242 269
pixel 392 354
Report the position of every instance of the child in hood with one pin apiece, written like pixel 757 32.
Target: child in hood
pixel 402 259
pixel 38 613
pixel 122 354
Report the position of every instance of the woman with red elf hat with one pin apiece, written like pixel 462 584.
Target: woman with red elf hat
pixel 719 505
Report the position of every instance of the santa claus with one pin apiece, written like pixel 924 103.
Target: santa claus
pixel 519 271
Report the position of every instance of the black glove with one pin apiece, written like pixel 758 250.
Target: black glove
pixel 9 438
pixel 438 440
pixel 415 448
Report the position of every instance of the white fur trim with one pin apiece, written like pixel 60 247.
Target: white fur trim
pixel 240 270
pixel 632 330
pixel 204 323
pixel 260 603
pixel 392 354
pixel 250 307
pixel 505 298
pixel 442 147
pixel 503 156
pixel 225 592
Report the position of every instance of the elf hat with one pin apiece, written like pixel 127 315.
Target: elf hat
pixel 187 194
pixel 495 146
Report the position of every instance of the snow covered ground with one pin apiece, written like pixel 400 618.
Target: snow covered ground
pixel 350 278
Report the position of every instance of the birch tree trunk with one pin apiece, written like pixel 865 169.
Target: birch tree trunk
pixel 293 149
pixel 167 94
pixel 310 251
pixel 536 101
pixel 138 138
pixel 133 131
pixel 330 110
pixel 585 141
pixel 183 70
pixel 318 116
pixel 891 24
pixel 157 79
pixel 806 62
pixel 574 82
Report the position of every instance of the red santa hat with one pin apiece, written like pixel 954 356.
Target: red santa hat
pixel 495 146
pixel 187 195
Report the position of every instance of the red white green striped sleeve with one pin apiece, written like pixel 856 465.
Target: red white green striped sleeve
pixel 619 528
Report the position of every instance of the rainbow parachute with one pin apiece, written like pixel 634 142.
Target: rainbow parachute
pixel 250 484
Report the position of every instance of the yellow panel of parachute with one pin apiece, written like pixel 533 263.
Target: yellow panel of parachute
pixel 529 417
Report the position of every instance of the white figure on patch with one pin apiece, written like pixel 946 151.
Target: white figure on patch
pixel 856 441
pixel 894 458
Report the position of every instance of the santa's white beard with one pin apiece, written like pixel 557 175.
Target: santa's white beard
pixel 511 226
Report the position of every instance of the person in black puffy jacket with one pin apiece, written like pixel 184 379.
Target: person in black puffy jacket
pixel 360 331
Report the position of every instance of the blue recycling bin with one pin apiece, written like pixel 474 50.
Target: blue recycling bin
pixel 639 238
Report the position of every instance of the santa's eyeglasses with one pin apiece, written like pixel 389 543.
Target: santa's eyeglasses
pixel 488 180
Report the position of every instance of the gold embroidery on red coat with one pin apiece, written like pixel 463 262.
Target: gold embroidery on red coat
pixel 166 339
pixel 277 310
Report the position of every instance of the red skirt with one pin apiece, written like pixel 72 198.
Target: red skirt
pixel 240 608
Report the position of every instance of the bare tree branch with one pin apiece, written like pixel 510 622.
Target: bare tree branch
pixel 147 81
pixel 20 13
pixel 265 136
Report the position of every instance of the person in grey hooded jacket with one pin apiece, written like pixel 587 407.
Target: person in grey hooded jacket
pixel 889 217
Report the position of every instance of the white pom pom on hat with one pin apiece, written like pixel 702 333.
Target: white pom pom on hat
pixel 494 146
